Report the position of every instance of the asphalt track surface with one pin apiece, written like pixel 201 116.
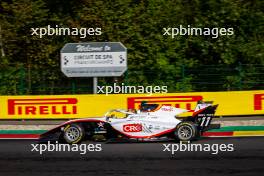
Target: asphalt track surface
pixel 124 159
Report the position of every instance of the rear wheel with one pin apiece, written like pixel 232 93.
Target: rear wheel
pixel 73 133
pixel 186 131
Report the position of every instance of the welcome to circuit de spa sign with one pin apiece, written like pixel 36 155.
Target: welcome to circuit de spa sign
pixel 94 59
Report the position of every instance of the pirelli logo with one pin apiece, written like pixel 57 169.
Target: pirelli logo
pixel 184 102
pixel 43 106
pixel 258 102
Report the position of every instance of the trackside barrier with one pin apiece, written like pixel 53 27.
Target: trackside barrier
pixel 83 106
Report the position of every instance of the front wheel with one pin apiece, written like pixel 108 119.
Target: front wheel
pixel 186 131
pixel 73 133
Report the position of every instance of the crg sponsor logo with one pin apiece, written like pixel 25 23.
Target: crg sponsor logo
pixel 184 102
pixel 132 128
pixel 44 106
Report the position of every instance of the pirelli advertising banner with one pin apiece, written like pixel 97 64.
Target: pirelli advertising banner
pixel 83 106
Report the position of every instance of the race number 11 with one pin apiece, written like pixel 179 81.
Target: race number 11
pixel 205 121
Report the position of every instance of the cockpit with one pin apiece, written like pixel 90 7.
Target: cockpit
pixel 118 114
pixel 148 107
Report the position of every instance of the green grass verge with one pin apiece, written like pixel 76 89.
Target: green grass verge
pixel 22 131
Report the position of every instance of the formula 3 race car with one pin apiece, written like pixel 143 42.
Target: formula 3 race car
pixel 151 123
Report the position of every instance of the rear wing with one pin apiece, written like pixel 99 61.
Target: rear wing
pixel 203 114
pixel 201 105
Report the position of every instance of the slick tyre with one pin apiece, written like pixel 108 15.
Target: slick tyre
pixel 73 133
pixel 186 131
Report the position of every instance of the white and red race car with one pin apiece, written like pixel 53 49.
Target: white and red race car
pixel 151 123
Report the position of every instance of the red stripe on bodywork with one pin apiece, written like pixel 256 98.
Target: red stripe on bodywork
pixel 150 136
pixel 199 111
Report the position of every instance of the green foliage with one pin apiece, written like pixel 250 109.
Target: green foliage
pixel 153 59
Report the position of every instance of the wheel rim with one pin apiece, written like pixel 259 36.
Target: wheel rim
pixel 185 132
pixel 72 134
